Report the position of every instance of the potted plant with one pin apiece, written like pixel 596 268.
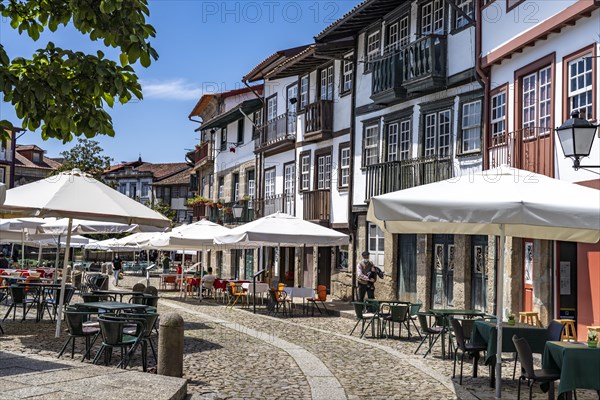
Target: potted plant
pixel 592 338
pixel 511 319
pixel 220 203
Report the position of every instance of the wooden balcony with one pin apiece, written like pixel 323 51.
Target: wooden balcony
pixel 277 134
pixel 397 175
pixel 424 64
pixel 529 149
pixel 316 206
pixel 200 212
pixel 203 154
pixel 386 79
pixel 318 120
pixel 278 203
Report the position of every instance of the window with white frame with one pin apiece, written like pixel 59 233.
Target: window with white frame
pixel 175 192
pixel 438 134
pixel 376 245
pixel 251 192
pixel 304 85
pixel 404 140
pixel 327 83
pixel 467 7
pixel 123 188
pixel 289 172
pixel 223 139
pixel 371 145
pixel 324 171
pixel 221 194
pixel 289 175
pixel 344 165
pixel 347 73
pixel 373 48
pixel 404 31
pixel 498 117
pixel 397 35
pixel 36 157
pixel 305 171
pixel 432 17
pixel 258 121
pixel 471 127
pixel 145 189
pixel 271 108
pixel 536 99
pixel 392 142
pixel 269 183
pixel 580 87
pixel 133 190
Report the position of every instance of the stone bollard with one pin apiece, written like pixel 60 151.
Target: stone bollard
pixel 170 345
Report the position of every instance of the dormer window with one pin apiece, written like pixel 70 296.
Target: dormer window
pixel 36 157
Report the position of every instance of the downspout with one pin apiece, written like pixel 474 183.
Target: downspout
pixel 351 223
pixel 483 77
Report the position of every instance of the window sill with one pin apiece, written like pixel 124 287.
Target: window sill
pixel 469 153
pixel 346 93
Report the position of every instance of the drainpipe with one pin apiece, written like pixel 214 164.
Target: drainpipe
pixel 351 224
pixel 483 77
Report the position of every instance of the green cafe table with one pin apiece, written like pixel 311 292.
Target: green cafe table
pixel 579 365
pixel 486 333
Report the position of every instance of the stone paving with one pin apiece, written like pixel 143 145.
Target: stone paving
pixel 233 353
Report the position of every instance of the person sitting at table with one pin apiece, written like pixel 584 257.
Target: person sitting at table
pixel 208 280
pixel 3 261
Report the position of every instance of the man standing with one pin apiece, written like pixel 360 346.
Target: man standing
pixel 117 265
pixel 366 275
pixel 166 263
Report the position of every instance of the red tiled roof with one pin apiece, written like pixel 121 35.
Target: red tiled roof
pixel 205 99
pixel 24 162
pixel 161 171
pixel 180 178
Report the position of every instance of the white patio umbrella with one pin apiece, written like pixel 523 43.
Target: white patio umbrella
pixel 282 230
pixel 60 226
pixel 21 225
pixel 196 236
pixel 502 201
pixel 73 195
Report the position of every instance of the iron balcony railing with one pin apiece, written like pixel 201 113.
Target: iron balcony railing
pixel 397 175
pixel 279 129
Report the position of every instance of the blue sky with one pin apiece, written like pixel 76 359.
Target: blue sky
pixel 202 45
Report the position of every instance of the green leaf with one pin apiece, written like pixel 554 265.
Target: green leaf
pixel 145 60
pixel 124 59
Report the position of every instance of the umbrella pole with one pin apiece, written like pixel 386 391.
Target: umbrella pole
pixel 57 260
pixel 181 277
pixel 499 316
pixel 40 256
pixel 148 268
pixel 64 278
pixel 23 248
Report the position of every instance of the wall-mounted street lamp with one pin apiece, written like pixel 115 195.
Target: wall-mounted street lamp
pixel 576 136
pixel 237 210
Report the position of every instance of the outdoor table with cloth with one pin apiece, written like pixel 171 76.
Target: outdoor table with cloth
pixel 300 292
pixel 485 332
pixel 257 289
pixel 579 365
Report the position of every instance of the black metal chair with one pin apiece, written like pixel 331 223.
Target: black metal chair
pixel 553 333
pixel 77 327
pixel 278 301
pixel 465 348
pixel 55 299
pixel 431 333
pixel 113 333
pixel 151 290
pixel 413 312
pixel 19 298
pixel 527 370
pixel 138 287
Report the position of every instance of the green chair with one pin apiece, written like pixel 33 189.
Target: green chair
pixel 398 314
pixel 364 317
pixel 77 327
pixel 412 315
pixel 113 333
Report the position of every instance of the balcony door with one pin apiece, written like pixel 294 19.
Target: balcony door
pixel 291 106
pixel 324 171
pixel 443 271
pixel 289 171
pixel 326 86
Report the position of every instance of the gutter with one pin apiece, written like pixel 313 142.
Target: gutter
pixel 483 77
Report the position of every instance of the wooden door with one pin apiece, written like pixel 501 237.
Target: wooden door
pixel 324 267
pixel 442 290
pixel 527 275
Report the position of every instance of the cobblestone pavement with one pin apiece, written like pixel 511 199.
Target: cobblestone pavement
pixel 232 353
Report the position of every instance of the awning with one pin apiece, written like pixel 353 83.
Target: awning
pixel 246 107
